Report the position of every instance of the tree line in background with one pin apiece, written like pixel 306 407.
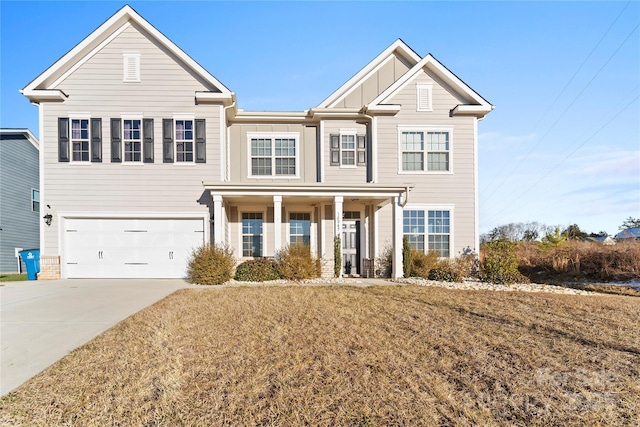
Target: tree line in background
pixel 534 231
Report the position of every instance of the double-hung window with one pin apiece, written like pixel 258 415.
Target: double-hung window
pixel 132 140
pixel 425 150
pixel 80 140
pixel 273 155
pixel 428 230
pixel 300 228
pixel 35 200
pixel 252 234
pixel 348 149
pixel 184 140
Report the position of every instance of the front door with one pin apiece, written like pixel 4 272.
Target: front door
pixel 351 247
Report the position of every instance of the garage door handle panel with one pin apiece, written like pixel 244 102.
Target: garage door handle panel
pixel 136 263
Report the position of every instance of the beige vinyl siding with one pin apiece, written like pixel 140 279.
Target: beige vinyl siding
pixel 96 87
pixel 375 84
pixel 239 152
pixel 457 188
pixel 340 174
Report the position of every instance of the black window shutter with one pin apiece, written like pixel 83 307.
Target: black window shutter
pixel 96 140
pixel 116 141
pixel 201 141
pixel 362 150
pixel 167 140
pixel 147 140
pixel 63 139
pixel 335 150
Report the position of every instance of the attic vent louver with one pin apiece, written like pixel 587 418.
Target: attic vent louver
pixel 131 67
pixel 424 97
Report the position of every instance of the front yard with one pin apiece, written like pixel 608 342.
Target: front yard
pixel 393 355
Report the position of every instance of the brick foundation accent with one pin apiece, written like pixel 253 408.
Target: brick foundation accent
pixel 49 268
pixel 326 268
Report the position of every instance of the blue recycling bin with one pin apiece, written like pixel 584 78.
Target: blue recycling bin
pixel 31 258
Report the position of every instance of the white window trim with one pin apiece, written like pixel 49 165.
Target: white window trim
pixel 132 116
pixel 79 116
pixel 247 209
pixel 184 117
pixel 126 58
pixel 420 87
pixel 33 200
pixel 425 129
pixel 353 132
pixel 273 136
pixel 428 207
pixel 312 232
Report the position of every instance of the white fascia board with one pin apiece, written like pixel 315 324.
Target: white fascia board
pixel 214 97
pixel 391 109
pixel 361 75
pixel 119 19
pixel 472 110
pixel 22 131
pixel 38 95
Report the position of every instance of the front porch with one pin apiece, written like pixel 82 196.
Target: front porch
pixel 259 219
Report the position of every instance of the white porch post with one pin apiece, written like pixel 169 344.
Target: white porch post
pixel 218 235
pixel 397 239
pixel 277 223
pixel 337 212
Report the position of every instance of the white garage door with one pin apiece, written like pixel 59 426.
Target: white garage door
pixel 130 248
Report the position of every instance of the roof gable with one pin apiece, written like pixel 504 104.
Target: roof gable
pixel 475 104
pixel 20 134
pixel 398 49
pixel 43 87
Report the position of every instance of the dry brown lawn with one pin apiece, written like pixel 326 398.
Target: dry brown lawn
pixel 396 355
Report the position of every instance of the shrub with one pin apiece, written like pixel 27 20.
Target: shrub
pixel 337 256
pixel 453 270
pixel 257 270
pixel 384 263
pixel 211 265
pixel 499 263
pixel 296 263
pixel 422 264
pixel 406 257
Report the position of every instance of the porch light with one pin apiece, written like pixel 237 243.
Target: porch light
pixel 48 218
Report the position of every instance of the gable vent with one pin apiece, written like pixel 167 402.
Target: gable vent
pixel 424 97
pixel 131 67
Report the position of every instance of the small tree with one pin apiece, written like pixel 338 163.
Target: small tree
pixel 337 256
pixel 630 223
pixel 407 257
pixel 573 232
pixel 500 263
pixel 555 238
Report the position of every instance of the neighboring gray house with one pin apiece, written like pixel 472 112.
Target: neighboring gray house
pixel 19 196
pixel 145 155
pixel 629 233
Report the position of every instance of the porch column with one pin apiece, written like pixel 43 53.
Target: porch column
pixel 337 212
pixel 277 223
pixel 397 239
pixel 218 235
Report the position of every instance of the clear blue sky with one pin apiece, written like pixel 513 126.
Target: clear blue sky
pixel 561 147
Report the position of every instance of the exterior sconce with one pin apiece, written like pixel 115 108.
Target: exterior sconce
pixel 48 218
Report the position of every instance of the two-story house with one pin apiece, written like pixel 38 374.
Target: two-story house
pixel 146 155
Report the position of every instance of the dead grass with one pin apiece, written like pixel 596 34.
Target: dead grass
pixel 323 356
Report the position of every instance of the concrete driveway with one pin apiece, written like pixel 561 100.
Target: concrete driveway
pixel 42 321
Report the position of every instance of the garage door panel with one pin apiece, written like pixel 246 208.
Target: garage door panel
pixel 130 248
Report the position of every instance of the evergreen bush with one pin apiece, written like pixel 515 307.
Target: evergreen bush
pixel 257 270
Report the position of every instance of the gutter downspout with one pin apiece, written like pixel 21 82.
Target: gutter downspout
pixel 406 196
pixel 228 137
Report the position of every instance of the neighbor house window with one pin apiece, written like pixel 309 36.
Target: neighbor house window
pixel 184 140
pixel 300 228
pixel 273 155
pixel 35 200
pixel 428 230
pixel 425 151
pixel 80 140
pixel 132 140
pixel 252 234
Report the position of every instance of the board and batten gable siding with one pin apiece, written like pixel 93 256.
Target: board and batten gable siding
pixel 373 86
pixel 456 188
pixel 240 163
pixel 342 174
pixel 19 174
pixel 166 88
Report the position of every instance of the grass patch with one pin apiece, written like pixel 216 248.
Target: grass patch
pixel 390 355
pixel 13 277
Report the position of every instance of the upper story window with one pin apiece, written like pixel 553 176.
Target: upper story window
pixel 273 155
pixel 348 149
pixel 35 200
pixel 80 140
pixel 130 67
pixel 184 140
pixel 424 97
pixel 132 140
pixel 424 150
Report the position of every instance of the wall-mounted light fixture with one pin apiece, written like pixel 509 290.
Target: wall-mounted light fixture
pixel 48 218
